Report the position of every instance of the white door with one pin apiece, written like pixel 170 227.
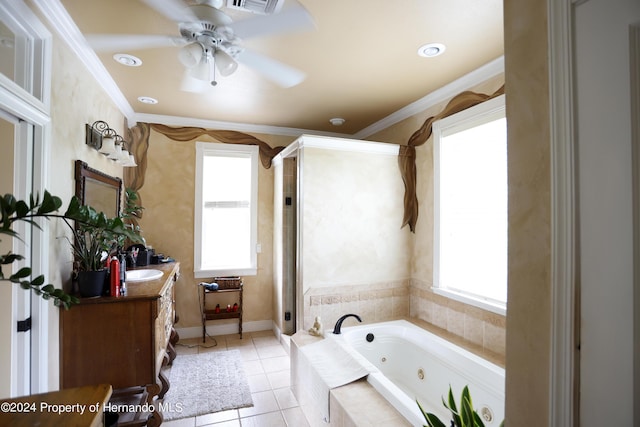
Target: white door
pixel 604 144
pixel 16 146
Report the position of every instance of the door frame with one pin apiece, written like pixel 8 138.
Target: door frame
pixel 564 369
pixel 31 174
pixel 32 106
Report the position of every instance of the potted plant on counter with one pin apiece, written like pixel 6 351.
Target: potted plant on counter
pixel 96 237
pixel 99 232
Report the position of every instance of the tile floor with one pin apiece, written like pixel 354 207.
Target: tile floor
pixel 266 363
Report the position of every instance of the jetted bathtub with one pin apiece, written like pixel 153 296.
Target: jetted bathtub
pixel 408 363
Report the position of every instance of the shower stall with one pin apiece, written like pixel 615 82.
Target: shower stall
pixel 337 216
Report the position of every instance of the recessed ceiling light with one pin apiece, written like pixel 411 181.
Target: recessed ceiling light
pixel 432 49
pixel 147 100
pixel 128 60
pixel 337 121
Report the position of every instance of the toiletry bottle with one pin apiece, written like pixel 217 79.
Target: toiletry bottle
pixel 123 274
pixel 114 277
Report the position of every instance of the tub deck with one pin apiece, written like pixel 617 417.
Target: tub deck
pixel 356 404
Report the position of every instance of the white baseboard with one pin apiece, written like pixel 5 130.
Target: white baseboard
pixel 225 329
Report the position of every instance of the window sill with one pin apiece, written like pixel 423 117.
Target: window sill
pixel 468 299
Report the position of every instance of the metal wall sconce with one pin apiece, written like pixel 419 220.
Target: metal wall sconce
pixel 104 139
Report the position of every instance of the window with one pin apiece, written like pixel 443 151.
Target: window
pixel 25 52
pixel 470 238
pixel 226 211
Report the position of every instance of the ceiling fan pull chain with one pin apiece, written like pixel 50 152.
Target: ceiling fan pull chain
pixel 212 69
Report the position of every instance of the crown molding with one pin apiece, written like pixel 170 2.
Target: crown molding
pixel 479 75
pixel 62 23
pixel 240 127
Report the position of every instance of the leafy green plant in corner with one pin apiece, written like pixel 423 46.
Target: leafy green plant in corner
pixel 464 416
pixel 88 220
pixel 131 214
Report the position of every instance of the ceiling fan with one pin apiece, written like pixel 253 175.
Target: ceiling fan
pixel 209 40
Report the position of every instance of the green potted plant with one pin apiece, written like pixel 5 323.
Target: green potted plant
pixel 93 241
pixel 96 237
pixel 466 416
pixel 95 231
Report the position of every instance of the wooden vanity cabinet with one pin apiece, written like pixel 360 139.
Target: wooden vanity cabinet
pixel 121 341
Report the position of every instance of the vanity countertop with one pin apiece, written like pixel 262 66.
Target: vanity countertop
pixel 148 289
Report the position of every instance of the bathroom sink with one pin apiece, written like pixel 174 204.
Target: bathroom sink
pixel 142 275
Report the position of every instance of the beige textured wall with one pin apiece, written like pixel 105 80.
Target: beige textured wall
pixel 529 315
pixel 76 99
pixel 351 218
pixel 168 197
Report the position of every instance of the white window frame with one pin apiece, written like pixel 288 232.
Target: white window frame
pixel 466 119
pixel 231 150
pixel 33 47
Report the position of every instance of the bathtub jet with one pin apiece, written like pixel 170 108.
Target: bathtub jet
pixel 338 326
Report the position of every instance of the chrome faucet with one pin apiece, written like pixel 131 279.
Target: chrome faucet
pixel 336 329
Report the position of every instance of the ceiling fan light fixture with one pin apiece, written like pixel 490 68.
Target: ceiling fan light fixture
pixel 191 84
pixel 201 71
pixel 431 50
pixel 225 63
pixel 191 54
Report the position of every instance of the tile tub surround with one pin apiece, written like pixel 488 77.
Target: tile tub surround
pixel 482 330
pixel 375 302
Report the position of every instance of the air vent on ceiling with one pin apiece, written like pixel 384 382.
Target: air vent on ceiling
pixel 266 7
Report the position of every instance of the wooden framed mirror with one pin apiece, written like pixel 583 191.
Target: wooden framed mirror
pixel 98 190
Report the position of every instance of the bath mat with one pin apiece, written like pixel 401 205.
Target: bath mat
pixel 204 383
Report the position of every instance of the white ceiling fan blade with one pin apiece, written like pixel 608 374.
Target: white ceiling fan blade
pixel 275 71
pixel 111 42
pixel 175 10
pixel 287 20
